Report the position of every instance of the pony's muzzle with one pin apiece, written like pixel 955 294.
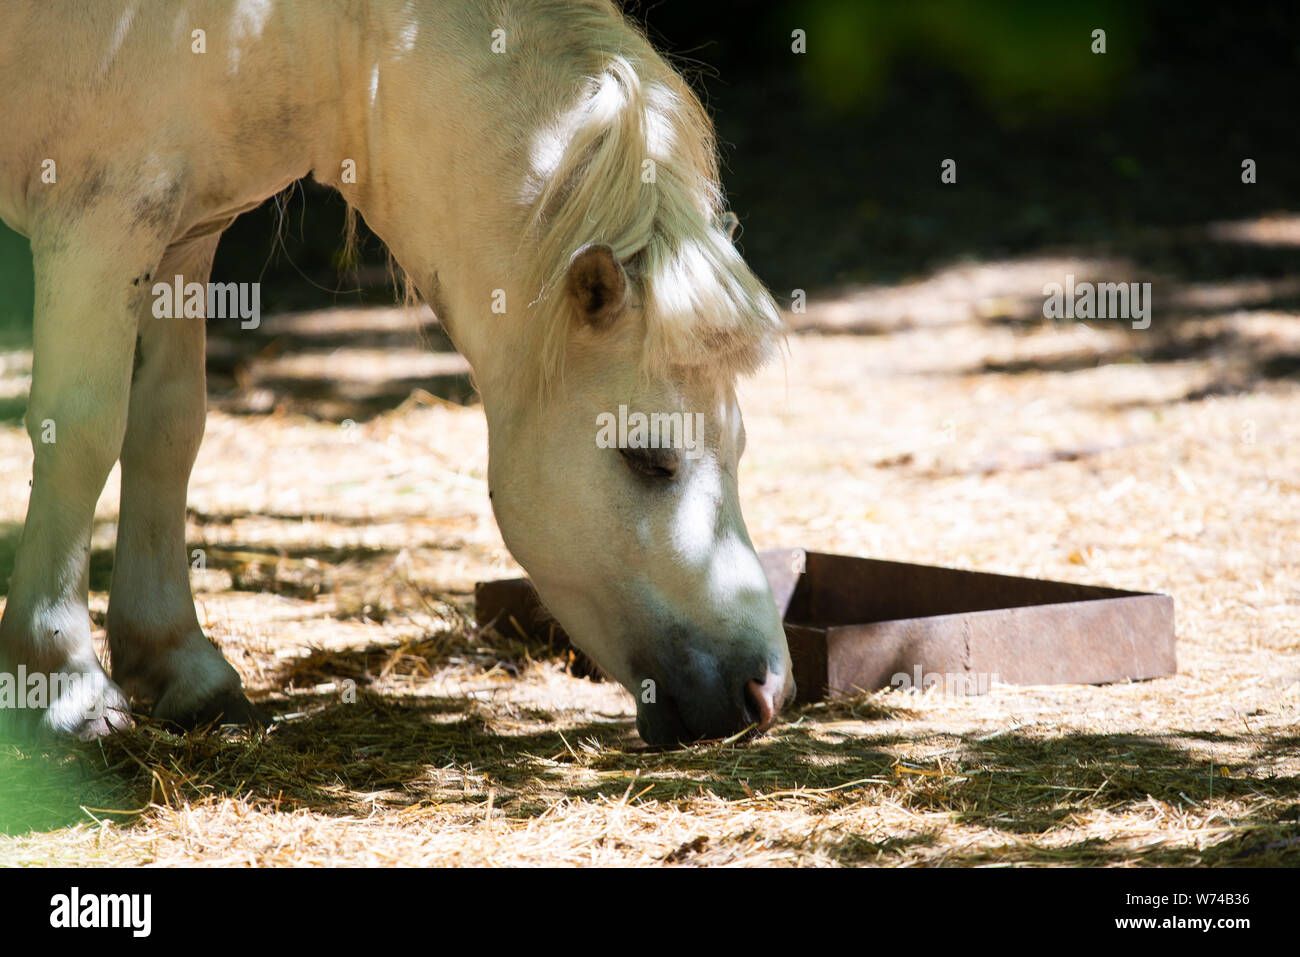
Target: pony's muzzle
pixel 701 711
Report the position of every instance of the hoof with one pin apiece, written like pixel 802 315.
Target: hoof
pixel 226 708
pixel 87 710
pixel 112 720
pixel 190 684
pixel 104 711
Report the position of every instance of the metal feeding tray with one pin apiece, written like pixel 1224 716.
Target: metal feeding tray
pixel 860 624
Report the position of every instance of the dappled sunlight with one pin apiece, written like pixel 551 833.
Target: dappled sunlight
pixel 1012 290
pixel 1280 229
pixel 957 293
pixel 338 556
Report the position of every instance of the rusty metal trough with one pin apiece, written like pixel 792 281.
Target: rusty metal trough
pixel 860 624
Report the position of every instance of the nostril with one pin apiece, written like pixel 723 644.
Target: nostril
pixel 763 699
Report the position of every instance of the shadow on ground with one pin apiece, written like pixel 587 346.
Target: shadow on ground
pixel 390 753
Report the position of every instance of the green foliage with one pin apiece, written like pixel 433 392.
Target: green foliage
pixel 17 287
pixel 1022 58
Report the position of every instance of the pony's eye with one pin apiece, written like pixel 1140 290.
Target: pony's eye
pixel 654 463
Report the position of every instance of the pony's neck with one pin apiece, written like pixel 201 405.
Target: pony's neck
pixel 439 136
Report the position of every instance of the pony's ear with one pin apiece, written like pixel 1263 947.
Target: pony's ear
pixel 728 222
pixel 597 284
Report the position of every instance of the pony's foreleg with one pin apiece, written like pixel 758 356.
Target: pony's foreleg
pixel 84 338
pixel 159 651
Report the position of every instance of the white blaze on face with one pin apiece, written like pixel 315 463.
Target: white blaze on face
pixel 731 570
pixel 694 525
pixel 707 531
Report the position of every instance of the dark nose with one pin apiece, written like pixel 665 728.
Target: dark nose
pixel 694 710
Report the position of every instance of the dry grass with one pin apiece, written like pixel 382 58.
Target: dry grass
pixel 965 437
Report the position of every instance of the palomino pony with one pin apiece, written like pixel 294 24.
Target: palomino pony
pixel 548 184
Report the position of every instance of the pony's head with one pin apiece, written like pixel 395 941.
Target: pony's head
pixel 617 492
pixel 613 469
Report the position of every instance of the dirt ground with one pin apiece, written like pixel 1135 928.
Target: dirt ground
pixel 340 514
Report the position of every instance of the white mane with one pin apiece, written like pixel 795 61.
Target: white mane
pixel 703 307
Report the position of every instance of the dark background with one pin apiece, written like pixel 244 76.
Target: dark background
pixel 832 158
